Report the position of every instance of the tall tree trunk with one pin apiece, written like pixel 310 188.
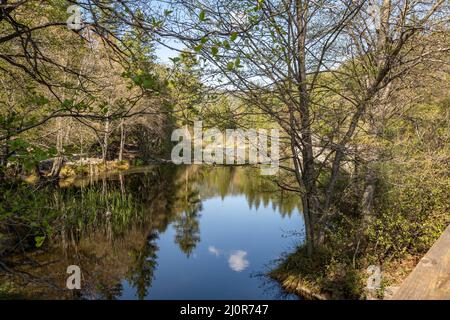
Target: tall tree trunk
pixel 307 212
pixel 58 163
pixel 105 143
pixel 308 174
pixel 368 196
pixel 309 225
pixel 122 140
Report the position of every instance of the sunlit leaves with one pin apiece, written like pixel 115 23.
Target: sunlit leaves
pixel 259 5
pixel 238 62
pixel 226 44
pixel 148 81
pixel 39 241
pixel 202 15
pixel 156 23
pixel 198 48
pixel 215 51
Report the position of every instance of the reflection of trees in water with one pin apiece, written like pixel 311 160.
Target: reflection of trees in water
pixel 188 206
pixel 110 229
pixel 188 228
pixel 141 272
pixel 187 232
pixel 109 291
pixel 226 181
pixel 163 195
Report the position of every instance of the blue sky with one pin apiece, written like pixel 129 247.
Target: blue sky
pixel 164 54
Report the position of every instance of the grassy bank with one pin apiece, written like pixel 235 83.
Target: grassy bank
pixel 89 167
pixel 319 277
pixel 324 278
pixel 409 216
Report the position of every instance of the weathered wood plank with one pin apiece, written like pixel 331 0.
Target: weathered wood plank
pixel 430 280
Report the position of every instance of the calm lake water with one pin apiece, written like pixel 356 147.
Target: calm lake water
pixel 164 232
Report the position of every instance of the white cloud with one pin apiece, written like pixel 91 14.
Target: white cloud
pixel 237 261
pixel 213 250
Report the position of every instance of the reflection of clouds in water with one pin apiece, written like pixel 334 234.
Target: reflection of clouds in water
pixel 213 250
pixel 237 261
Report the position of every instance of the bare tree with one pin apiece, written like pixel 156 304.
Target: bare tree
pixel 315 67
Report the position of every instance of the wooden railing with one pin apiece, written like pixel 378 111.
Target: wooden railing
pixel 430 280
